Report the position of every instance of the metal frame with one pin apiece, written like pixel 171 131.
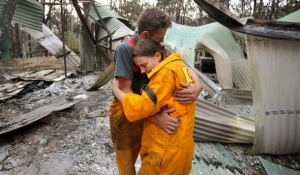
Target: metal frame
pixel 102 42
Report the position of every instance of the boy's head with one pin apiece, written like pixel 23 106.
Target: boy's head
pixel 153 23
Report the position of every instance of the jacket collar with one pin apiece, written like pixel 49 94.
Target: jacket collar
pixel 170 58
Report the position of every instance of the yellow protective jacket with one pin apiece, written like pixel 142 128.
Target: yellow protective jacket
pixel 162 153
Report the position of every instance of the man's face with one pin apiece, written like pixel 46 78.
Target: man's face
pixel 159 35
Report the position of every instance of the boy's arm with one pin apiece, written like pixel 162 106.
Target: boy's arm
pixel 191 91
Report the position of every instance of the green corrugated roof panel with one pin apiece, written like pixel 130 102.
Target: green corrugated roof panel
pixel 112 24
pixel 183 36
pixel 105 13
pixel 29 13
pixel 219 42
pixel 213 159
pixel 293 17
pixel 274 169
pixel 223 37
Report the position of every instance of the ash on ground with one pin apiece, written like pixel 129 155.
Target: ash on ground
pixel 74 141
pixel 77 140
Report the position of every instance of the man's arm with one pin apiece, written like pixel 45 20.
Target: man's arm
pixel 191 91
pixel 161 119
pixel 125 84
pixel 165 121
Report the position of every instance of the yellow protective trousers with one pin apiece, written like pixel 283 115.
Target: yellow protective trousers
pixel 166 160
pixel 126 138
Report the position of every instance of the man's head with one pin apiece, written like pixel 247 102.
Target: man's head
pixel 153 23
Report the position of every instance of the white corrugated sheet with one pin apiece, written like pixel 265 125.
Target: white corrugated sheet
pixel 217 124
pixel 274 68
pixel 55 46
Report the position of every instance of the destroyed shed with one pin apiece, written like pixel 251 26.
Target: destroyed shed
pixel 245 115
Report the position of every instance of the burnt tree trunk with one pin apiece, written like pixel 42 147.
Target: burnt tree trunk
pixel 18 46
pixel 7 13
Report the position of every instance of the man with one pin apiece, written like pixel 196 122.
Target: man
pixel 125 135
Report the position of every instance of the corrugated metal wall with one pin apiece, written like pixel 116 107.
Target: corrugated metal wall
pixel 275 70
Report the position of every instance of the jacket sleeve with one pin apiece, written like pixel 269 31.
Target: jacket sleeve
pixel 141 106
pixel 137 107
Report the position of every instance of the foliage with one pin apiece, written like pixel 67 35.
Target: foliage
pixel 53 19
pixel 127 9
pixel 184 12
pixel 71 40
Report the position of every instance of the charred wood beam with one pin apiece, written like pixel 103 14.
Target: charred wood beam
pixel 99 42
pixel 103 23
pixel 99 22
pixel 263 28
pixel 83 21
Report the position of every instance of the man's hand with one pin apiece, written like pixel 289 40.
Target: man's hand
pixel 165 121
pixel 189 94
pixel 191 91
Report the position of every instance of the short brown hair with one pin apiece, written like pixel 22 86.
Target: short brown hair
pixel 152 19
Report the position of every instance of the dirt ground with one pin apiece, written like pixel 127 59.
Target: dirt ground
pixel 77 140
pixel 30 64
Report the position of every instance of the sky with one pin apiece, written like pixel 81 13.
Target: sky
pixel 103 2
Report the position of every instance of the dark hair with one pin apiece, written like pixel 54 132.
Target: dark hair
pixel 148 47
pixel 152 19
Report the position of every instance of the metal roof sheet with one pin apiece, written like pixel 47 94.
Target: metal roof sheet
pixel 257 27
pixel 241 75
pixel 105 13
pixel 235 97
pixel 219 42
pixel 187 54
pixel 210 87
pixel 183 36
pixel 87 51
pixel 274 68
pixel 273 168
pixel 28 118
pixel 213 159
pixel 28 13
pixel 120 33
pixel 217 124
pixel 116 27
pixel 231 65
pixel 293 17
pixel 55 46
